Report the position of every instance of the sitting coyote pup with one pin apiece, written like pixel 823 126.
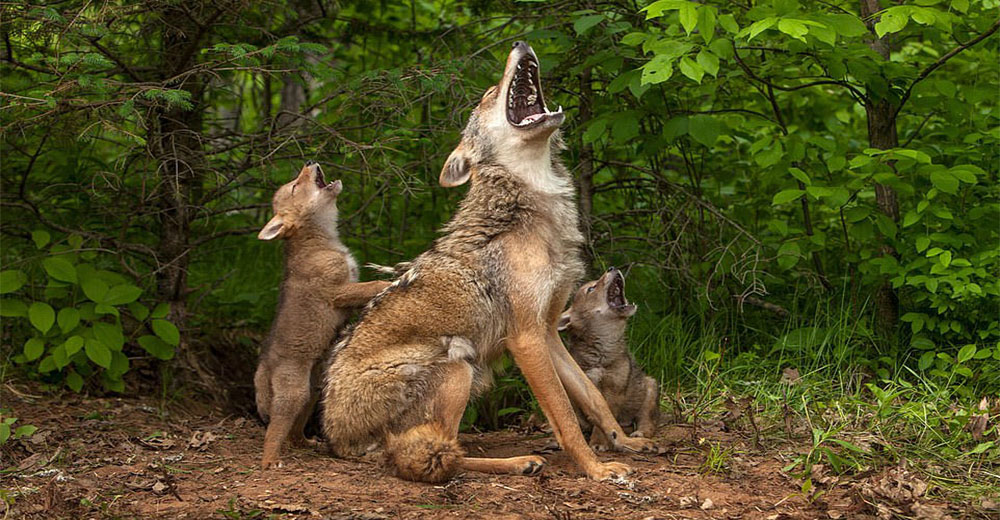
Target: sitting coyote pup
pixel 498 278
pixel 319 286
pixel 595 324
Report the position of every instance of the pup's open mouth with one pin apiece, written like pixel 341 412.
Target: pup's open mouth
pixel 321 181
pixel 616 292
pixel 525 103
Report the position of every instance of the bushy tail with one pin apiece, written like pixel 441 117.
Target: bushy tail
pixel 262 386
pixel 424 453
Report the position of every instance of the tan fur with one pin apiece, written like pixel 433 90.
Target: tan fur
pixel 595 324
pixel 319 287
pixel 498 278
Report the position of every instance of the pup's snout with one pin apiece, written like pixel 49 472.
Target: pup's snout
pixel 612 269
pixel 310 163
pixel 517 44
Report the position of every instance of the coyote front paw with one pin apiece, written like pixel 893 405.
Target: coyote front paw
pixel 532 465
pixel 609 470
pixel 636 445
pixel 270 463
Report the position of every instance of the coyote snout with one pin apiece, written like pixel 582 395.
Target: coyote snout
pixel 595 324
pixel 316 294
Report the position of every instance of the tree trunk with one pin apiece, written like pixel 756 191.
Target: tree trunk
pixel 586 177
pixel 881 115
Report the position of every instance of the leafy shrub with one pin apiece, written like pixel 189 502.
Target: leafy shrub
pixel 76 318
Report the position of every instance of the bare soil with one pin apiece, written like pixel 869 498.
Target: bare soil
pixel 130 458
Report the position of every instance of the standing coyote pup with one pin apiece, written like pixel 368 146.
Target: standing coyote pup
pixel 498 278
pixel 595 323
pixel 319 286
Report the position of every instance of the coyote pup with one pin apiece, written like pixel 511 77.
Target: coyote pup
pixel 595 324
pixel 497 279
pixel 318 289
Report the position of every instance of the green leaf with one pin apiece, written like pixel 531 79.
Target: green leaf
pixel 794 28
pixel 966 353
pixel 656 9
pixel 59 357
pixel 74 382
pixel 728 22
pixel 706 23
pixel 167 331
pixel 4 432
pixel 709 62
pixel 122 294
pixel 139 311
pixel 12 308
pixel 41 316
pixel 786 196
pixel 98 353
pixel 800 175
pixel 73 345
pixel 759 27
pixel 856 213
pixel 110 335
pixel 657 70
pixel 40 237
pixel 691 69
pixel 68 319
pixel 893 20
pixel 160 311
pixel 585 23
pixel 926 360
pixel 33 349
pixel 846 25
pixel 60 269
pixel 689 17
pixel 94 288
pixel 704 128
pixel 11 280
pixel 156 347
pixel 922 243
pixel 910 218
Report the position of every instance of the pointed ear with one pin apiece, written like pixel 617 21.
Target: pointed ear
pixel 337 187
pixel 563 322
pixel 273 229
pixel 457 168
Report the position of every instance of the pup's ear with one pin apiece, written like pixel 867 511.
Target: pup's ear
pixel 457 168
pixel 337 187
pixel 273 229
pixel 563 322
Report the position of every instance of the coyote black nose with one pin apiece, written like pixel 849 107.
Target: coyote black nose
pixel 310 163
pixel 517 44
pixel 611 269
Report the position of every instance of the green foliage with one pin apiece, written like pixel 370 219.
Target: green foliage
pixel 8 431
pixel 79 317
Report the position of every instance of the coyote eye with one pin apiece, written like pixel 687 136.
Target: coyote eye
pixel 591 289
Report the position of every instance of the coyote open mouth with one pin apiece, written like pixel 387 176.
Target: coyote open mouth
pixel 525 103
pixel 616 292
pixel 321 180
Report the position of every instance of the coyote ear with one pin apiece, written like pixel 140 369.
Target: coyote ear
pixel 563 322
pixel 457 169
pixel 273 229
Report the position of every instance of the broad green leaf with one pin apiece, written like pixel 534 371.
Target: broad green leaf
pixel 33 349
pixel 786 196
pixel 166 331
pixel 40 237
pixel 800 175
pixel 728 22
pixel 706 23
pixel 759 27
pixel 926 360
pixel 60 269
pixel 945 181
pixel 704 128
pixel 966 353
pixel 94 288
pixel 657 70
pixel 585 23
pixel 893 20
pixel 122 294
pixel 910 218
pixel 59 357
pixel 98 353
pixel 41 316
pixel 13 308
pixel 74 381
pixel 110 335
pixel 73 345
pixel 709 62
pixel 11 280
pixel 156 347
pixel 794 28
pixel 160 311
pixel 846 25
pixel 656 9
pixel 68 319
pixel 689 17
pixel 922 243
pixel 139 311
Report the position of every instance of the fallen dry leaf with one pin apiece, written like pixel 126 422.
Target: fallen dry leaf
pixel 707 504
pixel 200 440
pixel 790 376
pixel 978 422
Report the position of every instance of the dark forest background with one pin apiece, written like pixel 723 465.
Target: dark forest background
pixel 792 185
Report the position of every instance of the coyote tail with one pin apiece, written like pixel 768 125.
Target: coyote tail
pixel 262 387
pixel 424 453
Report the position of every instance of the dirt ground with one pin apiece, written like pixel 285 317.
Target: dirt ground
pixel 128 458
